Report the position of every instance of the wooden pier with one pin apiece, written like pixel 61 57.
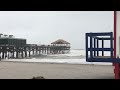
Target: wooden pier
pixel 14 48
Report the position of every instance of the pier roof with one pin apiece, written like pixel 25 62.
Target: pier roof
pixel 60 41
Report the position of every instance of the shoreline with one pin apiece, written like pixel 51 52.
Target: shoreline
pixel 56 63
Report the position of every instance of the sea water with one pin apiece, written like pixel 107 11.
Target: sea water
pixel 73 57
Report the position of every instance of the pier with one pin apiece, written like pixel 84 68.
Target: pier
pixel 17 48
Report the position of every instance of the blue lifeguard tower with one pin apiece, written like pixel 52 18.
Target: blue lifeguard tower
pixel 93 50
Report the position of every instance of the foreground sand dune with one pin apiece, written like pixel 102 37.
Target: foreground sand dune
pixel 17 70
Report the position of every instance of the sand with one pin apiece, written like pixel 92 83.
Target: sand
pixel 17 70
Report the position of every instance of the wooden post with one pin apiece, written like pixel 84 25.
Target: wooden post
pixel 22 53
pixel 42 50
pixel 33 51
pixel 3 49
pixel 13 52
pixel 17 53
pixel 39 50
pixel 25 50
pixel 29 51
pixel 5 54
pixel 36 50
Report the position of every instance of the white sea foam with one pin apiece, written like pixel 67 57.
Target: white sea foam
pixel 74 57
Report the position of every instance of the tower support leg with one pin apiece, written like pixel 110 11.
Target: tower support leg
pixel 117 71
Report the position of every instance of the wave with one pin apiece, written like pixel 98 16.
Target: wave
pixel 74 57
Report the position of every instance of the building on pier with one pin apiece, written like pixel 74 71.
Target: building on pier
pixel 10 40
pixel 60 46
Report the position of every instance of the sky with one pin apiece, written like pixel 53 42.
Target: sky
pixel 44 27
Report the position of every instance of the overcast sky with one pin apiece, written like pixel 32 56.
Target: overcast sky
pixel 44 27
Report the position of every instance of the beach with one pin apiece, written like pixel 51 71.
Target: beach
pixel 59 45
pixel 57 66
pixel 20 70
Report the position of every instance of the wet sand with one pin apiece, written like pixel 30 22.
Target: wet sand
pixel 17 70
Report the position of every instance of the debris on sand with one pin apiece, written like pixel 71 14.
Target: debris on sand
pixel 39 77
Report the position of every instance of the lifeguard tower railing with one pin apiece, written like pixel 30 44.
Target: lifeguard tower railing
pixel 93 50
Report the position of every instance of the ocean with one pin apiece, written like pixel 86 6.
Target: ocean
pixel 74 57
